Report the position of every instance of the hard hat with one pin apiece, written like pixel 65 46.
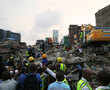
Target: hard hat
pixel 31 58
pixel 11 57
pixel 44 56
pixel 59 59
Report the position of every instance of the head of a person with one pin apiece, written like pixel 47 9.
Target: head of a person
pixel 5 75
pixel 33 68
pixel 60 76
pixel 103 77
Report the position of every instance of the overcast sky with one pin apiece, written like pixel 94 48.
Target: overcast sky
pixel 35 19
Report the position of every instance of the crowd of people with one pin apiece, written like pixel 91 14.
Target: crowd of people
pixel 28 74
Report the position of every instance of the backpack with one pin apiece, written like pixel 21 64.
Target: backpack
pixel 31 82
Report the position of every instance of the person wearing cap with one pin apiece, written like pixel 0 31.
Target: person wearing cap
pixel 44 59
pixel 61 66
pixel 83 83
pixel 103 78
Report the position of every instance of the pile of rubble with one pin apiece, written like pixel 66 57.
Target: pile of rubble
pixel 91 61
pixel 71 57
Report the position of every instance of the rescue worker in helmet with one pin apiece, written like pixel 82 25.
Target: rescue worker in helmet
pixel 44 59
pixel 60 65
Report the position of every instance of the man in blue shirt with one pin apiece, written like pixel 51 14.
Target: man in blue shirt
pixel 33 70
pixel 59 84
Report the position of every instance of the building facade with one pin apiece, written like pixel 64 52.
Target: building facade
pixel 74 33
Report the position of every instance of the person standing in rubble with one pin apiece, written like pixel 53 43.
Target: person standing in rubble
pixel 103 78
pixel 83 83
pixel 44 60
pixel 60 65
